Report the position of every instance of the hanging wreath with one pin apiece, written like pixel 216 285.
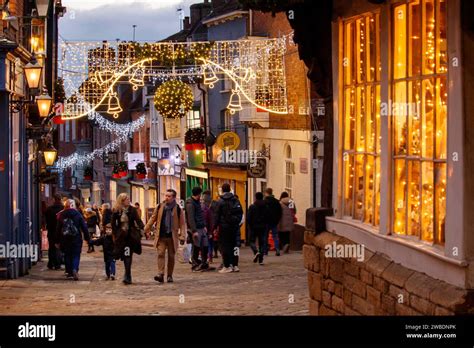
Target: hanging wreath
pixel 141 171
pixel 123 169
pixel 88 173
pixel 173 99
pixel 115 171
pixel 194 139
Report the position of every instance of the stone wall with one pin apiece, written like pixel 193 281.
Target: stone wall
pixel 374 286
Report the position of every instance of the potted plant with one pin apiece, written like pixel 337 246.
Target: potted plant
pixel 141 171
pixel 123 169
pixel 115 172
pixel 194 139
pixel 88 172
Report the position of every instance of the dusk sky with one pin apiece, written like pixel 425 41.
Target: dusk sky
pixel 98 20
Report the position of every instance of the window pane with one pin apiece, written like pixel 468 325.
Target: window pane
pixel 442 52
pixel 360 118
pixel 361 59
pixel 400 119
pixel 359 187
pixel 441 117
pixel 414 199
pixel 348 61
pixel 371 130
pixel 373 41
pixel 414 88
pixel 377 192
pixel 414 37
pixel 399 196
pixel 369 190
pixel 348 183
pixel 377 108
pixel 427 135
pixel 429 41
pixel 440 203
pixel 400 44
pixel 427 201
pixel 349 123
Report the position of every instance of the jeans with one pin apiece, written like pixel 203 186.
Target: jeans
pixel 110 268
pixel 200 244
pixel 257 234
pixel 274 230
pixel 166 243
pixel 284 238
pixel 72 258
pixel 211 247
pixel 54 255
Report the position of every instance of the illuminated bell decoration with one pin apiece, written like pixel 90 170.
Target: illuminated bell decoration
pixel 210 77
pixel 235 103
pixel 138 78
pixel 114 105
pixel 44 102
pixel 173 99
pixel 103 77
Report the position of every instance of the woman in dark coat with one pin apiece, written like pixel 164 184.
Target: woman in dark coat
pixel 106 220
pixel 127 230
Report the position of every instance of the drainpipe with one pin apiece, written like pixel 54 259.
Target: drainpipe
pixel 204 107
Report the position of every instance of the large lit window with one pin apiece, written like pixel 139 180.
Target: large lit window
pixel 361 118
pixel 418 112
pixel 193 119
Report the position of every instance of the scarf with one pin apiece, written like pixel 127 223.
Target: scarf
pixel 124 220
pixel 168 212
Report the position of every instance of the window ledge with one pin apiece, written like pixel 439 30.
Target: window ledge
pixel 413 254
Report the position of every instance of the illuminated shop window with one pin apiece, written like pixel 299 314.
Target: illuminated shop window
pixel 419 119
pixel 361 118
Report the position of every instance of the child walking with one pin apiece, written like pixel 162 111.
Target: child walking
pixel 107 242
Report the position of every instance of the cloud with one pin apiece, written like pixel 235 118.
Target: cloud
pixel 111 21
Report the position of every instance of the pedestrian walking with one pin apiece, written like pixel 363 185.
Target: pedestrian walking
pixel 68 233
pixel 287 221
pixel 257 221
pixel 197 228
pixel 215 230
pixel 92 225
pixel 228 218
pixel 274 216
pixel 170 230
pixel 106 221
pixel 139 210
pixel 96 210
pixel 126 228
pixel 107 242
pixel 208 219
pixel 54 254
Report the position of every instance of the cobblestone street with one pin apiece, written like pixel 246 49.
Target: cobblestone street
pixel 277 288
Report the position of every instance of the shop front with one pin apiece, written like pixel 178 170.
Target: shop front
pixel 196 177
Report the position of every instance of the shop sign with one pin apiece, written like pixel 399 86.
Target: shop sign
pixel 228 141
pixel 177 171
pixel 303 165
pixel 260 170
pixel 173 128
pixel 165 168
pixel 133 159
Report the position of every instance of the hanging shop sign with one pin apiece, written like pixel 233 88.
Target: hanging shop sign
pixel 228 141
pixel 303 165
pixel 165 168
pixel 258 171
pixel 172 128
pixel 133 159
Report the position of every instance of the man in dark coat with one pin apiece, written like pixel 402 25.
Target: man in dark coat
pixel 197 227
pixel 274 216
pixel 228 217
pixel 257 220
pixel 54 254
pixel 68 232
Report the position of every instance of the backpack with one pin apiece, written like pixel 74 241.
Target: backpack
pixel 232 212
pixel 69 228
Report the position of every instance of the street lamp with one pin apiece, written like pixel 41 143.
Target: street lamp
pixel 50 154
pixel 42 6
pixel 44 102
pixel 33 73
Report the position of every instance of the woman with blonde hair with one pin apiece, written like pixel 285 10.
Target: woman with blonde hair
pixel 127 228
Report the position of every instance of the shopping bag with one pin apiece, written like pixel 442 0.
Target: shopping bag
pixel 183 253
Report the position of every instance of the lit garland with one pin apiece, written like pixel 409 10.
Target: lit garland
pixel 173 99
